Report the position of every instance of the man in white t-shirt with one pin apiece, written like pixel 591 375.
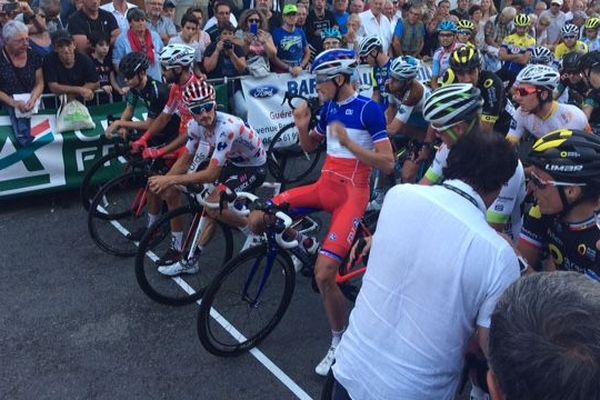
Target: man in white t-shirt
pixel 373 22
pixel 119 8
pixel 557 21
pixel 435 273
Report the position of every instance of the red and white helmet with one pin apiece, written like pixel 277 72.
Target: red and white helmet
pixel 198 92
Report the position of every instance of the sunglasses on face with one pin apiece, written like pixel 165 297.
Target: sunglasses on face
pixel 442 128
pixel 253 20
pixel 522 92
pixel 202 108
pixel 542 184
pixel 569 37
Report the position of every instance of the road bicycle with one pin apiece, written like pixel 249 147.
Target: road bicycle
pixel 117 209
pixel 286 160
pixel 252 292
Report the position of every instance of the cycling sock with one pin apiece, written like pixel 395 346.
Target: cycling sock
pixel 177 240
pixel 336 336
pixel 152 218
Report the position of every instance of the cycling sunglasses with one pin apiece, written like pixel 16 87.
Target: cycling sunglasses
pixel 570 37
pixel 522 92
pixel 542 184
pixel 202 108
pixel 320 79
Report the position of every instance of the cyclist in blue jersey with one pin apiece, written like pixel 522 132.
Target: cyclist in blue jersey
pixel 370 51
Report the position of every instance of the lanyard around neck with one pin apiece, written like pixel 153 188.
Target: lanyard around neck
pixel 462 193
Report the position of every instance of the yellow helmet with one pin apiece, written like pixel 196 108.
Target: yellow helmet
pixel 592 23
pixel 448 78
pixel 465 25
pixel 522 20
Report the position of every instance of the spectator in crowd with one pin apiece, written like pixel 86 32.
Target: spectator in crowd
pixel 170 11
pixel 158 22
pixel 100 48
pixel 373 22
pixel 579 18
pixel 341 15
pixel 476 16
pixel 51 8
pixel 540 7
pixel 488 9
pixel 576 5
pixel 203 37
pixel 541 31
pixel 399 326
pixel 68 71
pixel 557 21
pixel 357 6
pixel 256 41
pixel 276 6
pixel 302 17
pixel 222 15
pixel 224 58
pixel 189 36
pixel 352 37
pixel 39 37
pixel 409 35
pixel 319 19
pixel 389 10
pixel 91 18
pixel 462 10
pixel 293 54
pixel 139 38
pixel 274 20
pixel 496 29
pixel 7 13
pixel 20 73
pixel 544 339
pixel 119 8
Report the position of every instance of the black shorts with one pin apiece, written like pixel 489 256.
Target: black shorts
pixel 242 179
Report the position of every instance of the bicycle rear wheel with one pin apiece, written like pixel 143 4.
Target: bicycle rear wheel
pixel 184 289
pixel 245 302
pixel 115 211
pixel 98 173
pixel 288 163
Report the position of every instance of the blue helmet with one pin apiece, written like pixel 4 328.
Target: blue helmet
pixel 331 33
pixel 334 62
pixel 447 26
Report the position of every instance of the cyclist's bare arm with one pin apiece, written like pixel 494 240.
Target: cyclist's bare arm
pixel 308 142
pixel 382 158
pixel 182 164
pixel 160 183
pixel 426 182
pixel 158 124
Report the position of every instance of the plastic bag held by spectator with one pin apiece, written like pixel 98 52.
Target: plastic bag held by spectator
pixel 73 115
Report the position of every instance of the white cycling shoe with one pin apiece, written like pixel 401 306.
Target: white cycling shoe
pixel 326 363
pixel 180 267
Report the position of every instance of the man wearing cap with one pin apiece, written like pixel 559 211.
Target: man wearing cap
pixel 119 8
pixel 139 38
pixel 557 21
pixel 67 71
pixel 293 53
pixel 170 12
pixel 91 18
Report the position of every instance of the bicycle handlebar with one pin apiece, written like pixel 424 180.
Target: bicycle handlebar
pixel 313 102
pixel 228 199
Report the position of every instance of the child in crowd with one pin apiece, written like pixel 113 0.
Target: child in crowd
pixel 170 11
pixel 188 36
pixel 100 47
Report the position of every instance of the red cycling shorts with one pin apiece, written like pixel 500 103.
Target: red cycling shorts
pixel 343 191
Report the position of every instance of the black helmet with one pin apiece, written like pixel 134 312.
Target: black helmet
pixel 590 61
pixel 133 63
pixel 465 58
pixel 571 156
pixel 571 62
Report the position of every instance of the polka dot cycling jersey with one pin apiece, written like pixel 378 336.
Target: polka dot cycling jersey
pixel 232 140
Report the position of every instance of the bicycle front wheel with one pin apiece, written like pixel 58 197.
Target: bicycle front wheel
pixel 216 240
pixel 116 211
pixel 286 160
pixel 98 173
pixel 245 302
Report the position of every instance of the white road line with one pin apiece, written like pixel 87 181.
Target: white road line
pixel 237 335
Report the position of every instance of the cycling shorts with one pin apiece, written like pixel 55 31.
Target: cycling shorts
pixel 343 195
pixel 242 179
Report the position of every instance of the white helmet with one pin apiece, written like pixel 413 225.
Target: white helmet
pixel 404 68
pixel 452 103
pixel 541 55
pixel 569 30
pixel 539 75
pixel 177 55
pixel 334 62
pixel 368 44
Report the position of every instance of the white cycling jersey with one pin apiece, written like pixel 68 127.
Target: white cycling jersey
pixel 232 140
pixel 562 116
pixel 405 111
pixel 506 209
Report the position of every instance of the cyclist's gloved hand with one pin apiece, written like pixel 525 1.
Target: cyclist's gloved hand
pixel 152 153
pixel 141 143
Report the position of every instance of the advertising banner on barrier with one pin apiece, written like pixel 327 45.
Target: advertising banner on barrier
pixel 54 160
pixel 264 98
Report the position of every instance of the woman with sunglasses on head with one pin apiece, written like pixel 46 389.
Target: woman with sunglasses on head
pixel 565 180
pixel 237 161
pixel 538 113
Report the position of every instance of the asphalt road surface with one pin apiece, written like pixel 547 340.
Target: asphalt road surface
pixel 75 325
